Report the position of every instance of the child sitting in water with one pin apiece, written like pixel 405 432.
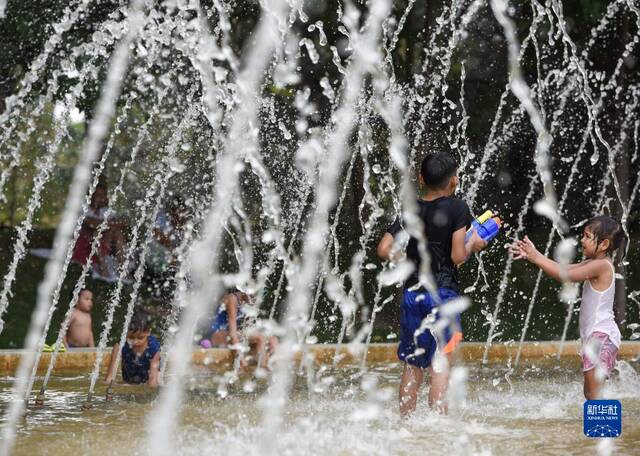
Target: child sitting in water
pixel 80 331
pixel 231 320
pixel 599 333
pixel 140 355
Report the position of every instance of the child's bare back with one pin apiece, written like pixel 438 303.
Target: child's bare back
pixel 80 332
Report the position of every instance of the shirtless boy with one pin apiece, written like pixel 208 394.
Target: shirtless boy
pixel 80 332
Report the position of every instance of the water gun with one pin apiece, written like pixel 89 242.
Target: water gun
pixel 487 226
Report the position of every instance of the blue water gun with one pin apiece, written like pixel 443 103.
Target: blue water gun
pixel 487 226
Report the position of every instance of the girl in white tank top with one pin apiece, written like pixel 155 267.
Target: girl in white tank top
pixel 596 311
pixel 599 333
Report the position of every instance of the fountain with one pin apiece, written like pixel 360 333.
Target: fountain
pixel 294 131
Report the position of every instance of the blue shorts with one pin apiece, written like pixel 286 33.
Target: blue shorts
pixel 416 305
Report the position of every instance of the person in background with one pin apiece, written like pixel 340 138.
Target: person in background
pixel 233 323
pixel 112 242
pixel 80 330
pixel 162 258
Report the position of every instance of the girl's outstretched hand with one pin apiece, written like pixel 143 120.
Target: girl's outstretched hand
pixel 524 249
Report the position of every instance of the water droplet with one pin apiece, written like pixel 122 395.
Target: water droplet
pixel 176 165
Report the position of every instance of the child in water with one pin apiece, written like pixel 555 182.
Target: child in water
pixel 231 320
pixel 445 219
pixel 140 354
pixel 80 331
pixel 599 333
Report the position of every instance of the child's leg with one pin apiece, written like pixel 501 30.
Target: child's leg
pixel 439 385
pixel 592 386
pixel 596 369
pixel 258 344
pixel 273 344
pixel 220 338
pixel 412 377
pixel 263 347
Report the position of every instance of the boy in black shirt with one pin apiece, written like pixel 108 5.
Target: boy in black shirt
pixel 445 220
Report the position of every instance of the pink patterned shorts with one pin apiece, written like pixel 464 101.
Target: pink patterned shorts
pixel 605 349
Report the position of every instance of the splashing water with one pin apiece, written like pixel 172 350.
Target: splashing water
pixel 297 147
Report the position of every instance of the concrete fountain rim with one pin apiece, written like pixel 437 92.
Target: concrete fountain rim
pixel 348 354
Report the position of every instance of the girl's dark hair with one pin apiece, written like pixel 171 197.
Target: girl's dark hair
pixel 437 168
pixel 140 321
pixel 604 227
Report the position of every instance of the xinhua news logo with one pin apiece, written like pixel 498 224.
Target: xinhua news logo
pixel 602 418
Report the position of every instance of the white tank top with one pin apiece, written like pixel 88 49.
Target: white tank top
pixel 596 312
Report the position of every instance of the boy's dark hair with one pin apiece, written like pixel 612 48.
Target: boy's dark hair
pixel 140 321
pixel 437 168
pixel 604 227
pixel 82 290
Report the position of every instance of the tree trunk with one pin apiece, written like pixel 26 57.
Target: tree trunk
pixel 622 166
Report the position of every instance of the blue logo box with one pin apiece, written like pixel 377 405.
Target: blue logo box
pixel 603 418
